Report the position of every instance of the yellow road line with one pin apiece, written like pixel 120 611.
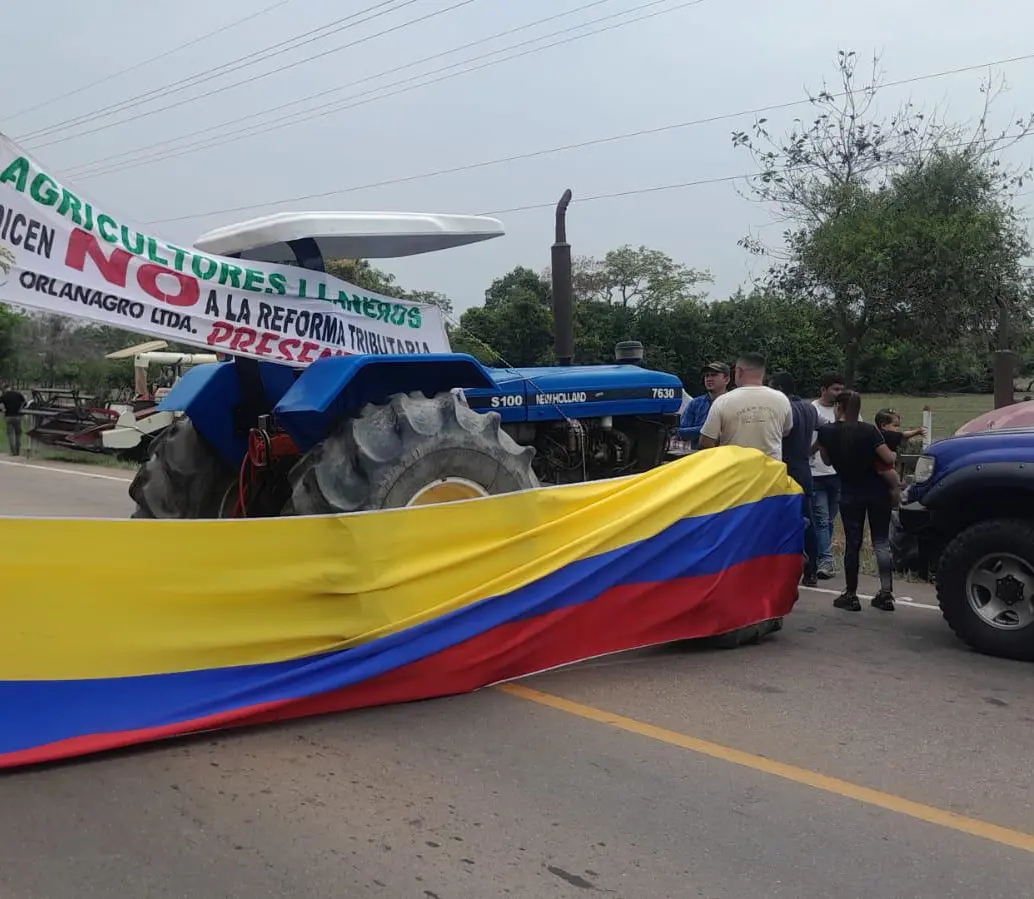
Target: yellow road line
pixel 928 813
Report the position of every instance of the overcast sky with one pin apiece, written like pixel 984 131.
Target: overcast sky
pixel 714 57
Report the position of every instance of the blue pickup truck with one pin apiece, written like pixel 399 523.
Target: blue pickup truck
pixel 967 524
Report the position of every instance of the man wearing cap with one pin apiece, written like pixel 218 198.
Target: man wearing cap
pixel 716 382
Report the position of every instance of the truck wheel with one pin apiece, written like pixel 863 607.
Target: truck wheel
pixel 985 587
pixel 412 451
pixel 183 478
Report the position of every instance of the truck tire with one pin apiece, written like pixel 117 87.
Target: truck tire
pixel 183 477
pixel 985 588
pixel 411 451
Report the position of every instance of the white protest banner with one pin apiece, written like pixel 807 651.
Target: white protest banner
pixel 63 254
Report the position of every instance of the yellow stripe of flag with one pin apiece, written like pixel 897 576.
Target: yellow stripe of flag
pixel 89 598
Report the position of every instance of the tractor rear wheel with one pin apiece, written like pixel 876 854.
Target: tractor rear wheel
pixel 183 477
pixel 411 451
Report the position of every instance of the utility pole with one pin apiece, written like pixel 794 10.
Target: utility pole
pixel 563 293
pixel 1004 366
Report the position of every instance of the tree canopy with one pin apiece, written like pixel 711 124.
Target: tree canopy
pixel 899 227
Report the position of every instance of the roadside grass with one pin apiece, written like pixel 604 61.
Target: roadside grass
pixel 40 454
pixel 950 411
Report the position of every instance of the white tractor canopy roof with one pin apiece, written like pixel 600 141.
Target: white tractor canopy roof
pixel 348 235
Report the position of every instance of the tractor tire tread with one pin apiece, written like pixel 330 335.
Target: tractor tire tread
pixel 183 477
pixel 380 458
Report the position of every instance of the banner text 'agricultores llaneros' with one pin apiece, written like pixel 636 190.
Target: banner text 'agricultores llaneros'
pixel 60 253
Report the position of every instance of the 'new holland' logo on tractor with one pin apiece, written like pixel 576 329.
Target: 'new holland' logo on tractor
pixel 556 399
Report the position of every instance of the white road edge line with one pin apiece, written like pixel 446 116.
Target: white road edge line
pixel 905 599
pixel 82 474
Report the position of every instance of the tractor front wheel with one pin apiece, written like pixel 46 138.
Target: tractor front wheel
pixel 411 451
pixel 183 476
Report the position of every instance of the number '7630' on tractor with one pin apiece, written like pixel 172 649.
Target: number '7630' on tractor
pixel 364 432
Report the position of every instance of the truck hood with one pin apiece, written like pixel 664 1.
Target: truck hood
pixel 982 448
pixel 1018 416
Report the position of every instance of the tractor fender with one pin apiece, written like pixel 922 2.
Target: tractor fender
pixel 340 386
pixel 209 396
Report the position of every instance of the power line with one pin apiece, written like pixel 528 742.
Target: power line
pixel 213 72
pixel 346 103
pixel 109 161
pixel 613 138
pixel 681 185
pixel 723 179
pixel 241 62
pixel 299 117
pixel 146 62
pixel 351 21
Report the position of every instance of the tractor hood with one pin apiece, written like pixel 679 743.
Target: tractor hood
pixel 578 391
pixel 593 379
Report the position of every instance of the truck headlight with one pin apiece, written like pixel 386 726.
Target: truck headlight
pixel 924 469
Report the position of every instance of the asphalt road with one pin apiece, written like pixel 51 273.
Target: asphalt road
pixel 864 755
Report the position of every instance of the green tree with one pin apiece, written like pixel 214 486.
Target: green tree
pixel 636 294
pixel 429 298
pixel 523 279
pixel 934 257
pixel 10 325
pixel 517 330
pixel 514 327
pixel 791 333
pixel 360 273
pixel 630 277
pixel 52 350
pixel 897 227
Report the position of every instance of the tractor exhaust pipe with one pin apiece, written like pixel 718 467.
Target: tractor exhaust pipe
pixel 563 311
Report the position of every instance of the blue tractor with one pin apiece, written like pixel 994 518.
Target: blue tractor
pixel 366 432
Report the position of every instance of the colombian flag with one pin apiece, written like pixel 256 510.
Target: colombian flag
pixel 120 632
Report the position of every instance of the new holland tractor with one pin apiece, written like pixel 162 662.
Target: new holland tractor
pixel 365 432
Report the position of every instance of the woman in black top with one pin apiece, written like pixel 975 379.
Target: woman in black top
pixel 868 489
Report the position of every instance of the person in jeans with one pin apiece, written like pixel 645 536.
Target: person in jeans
pixel 12 402
pixel 825 499
pixel 716 382
pixel 868 490
pixel 797 452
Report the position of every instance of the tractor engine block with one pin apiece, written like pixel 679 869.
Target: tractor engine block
pixel 574 450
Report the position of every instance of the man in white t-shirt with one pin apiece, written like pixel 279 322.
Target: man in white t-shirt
pixel 825 503
pixel 752 415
